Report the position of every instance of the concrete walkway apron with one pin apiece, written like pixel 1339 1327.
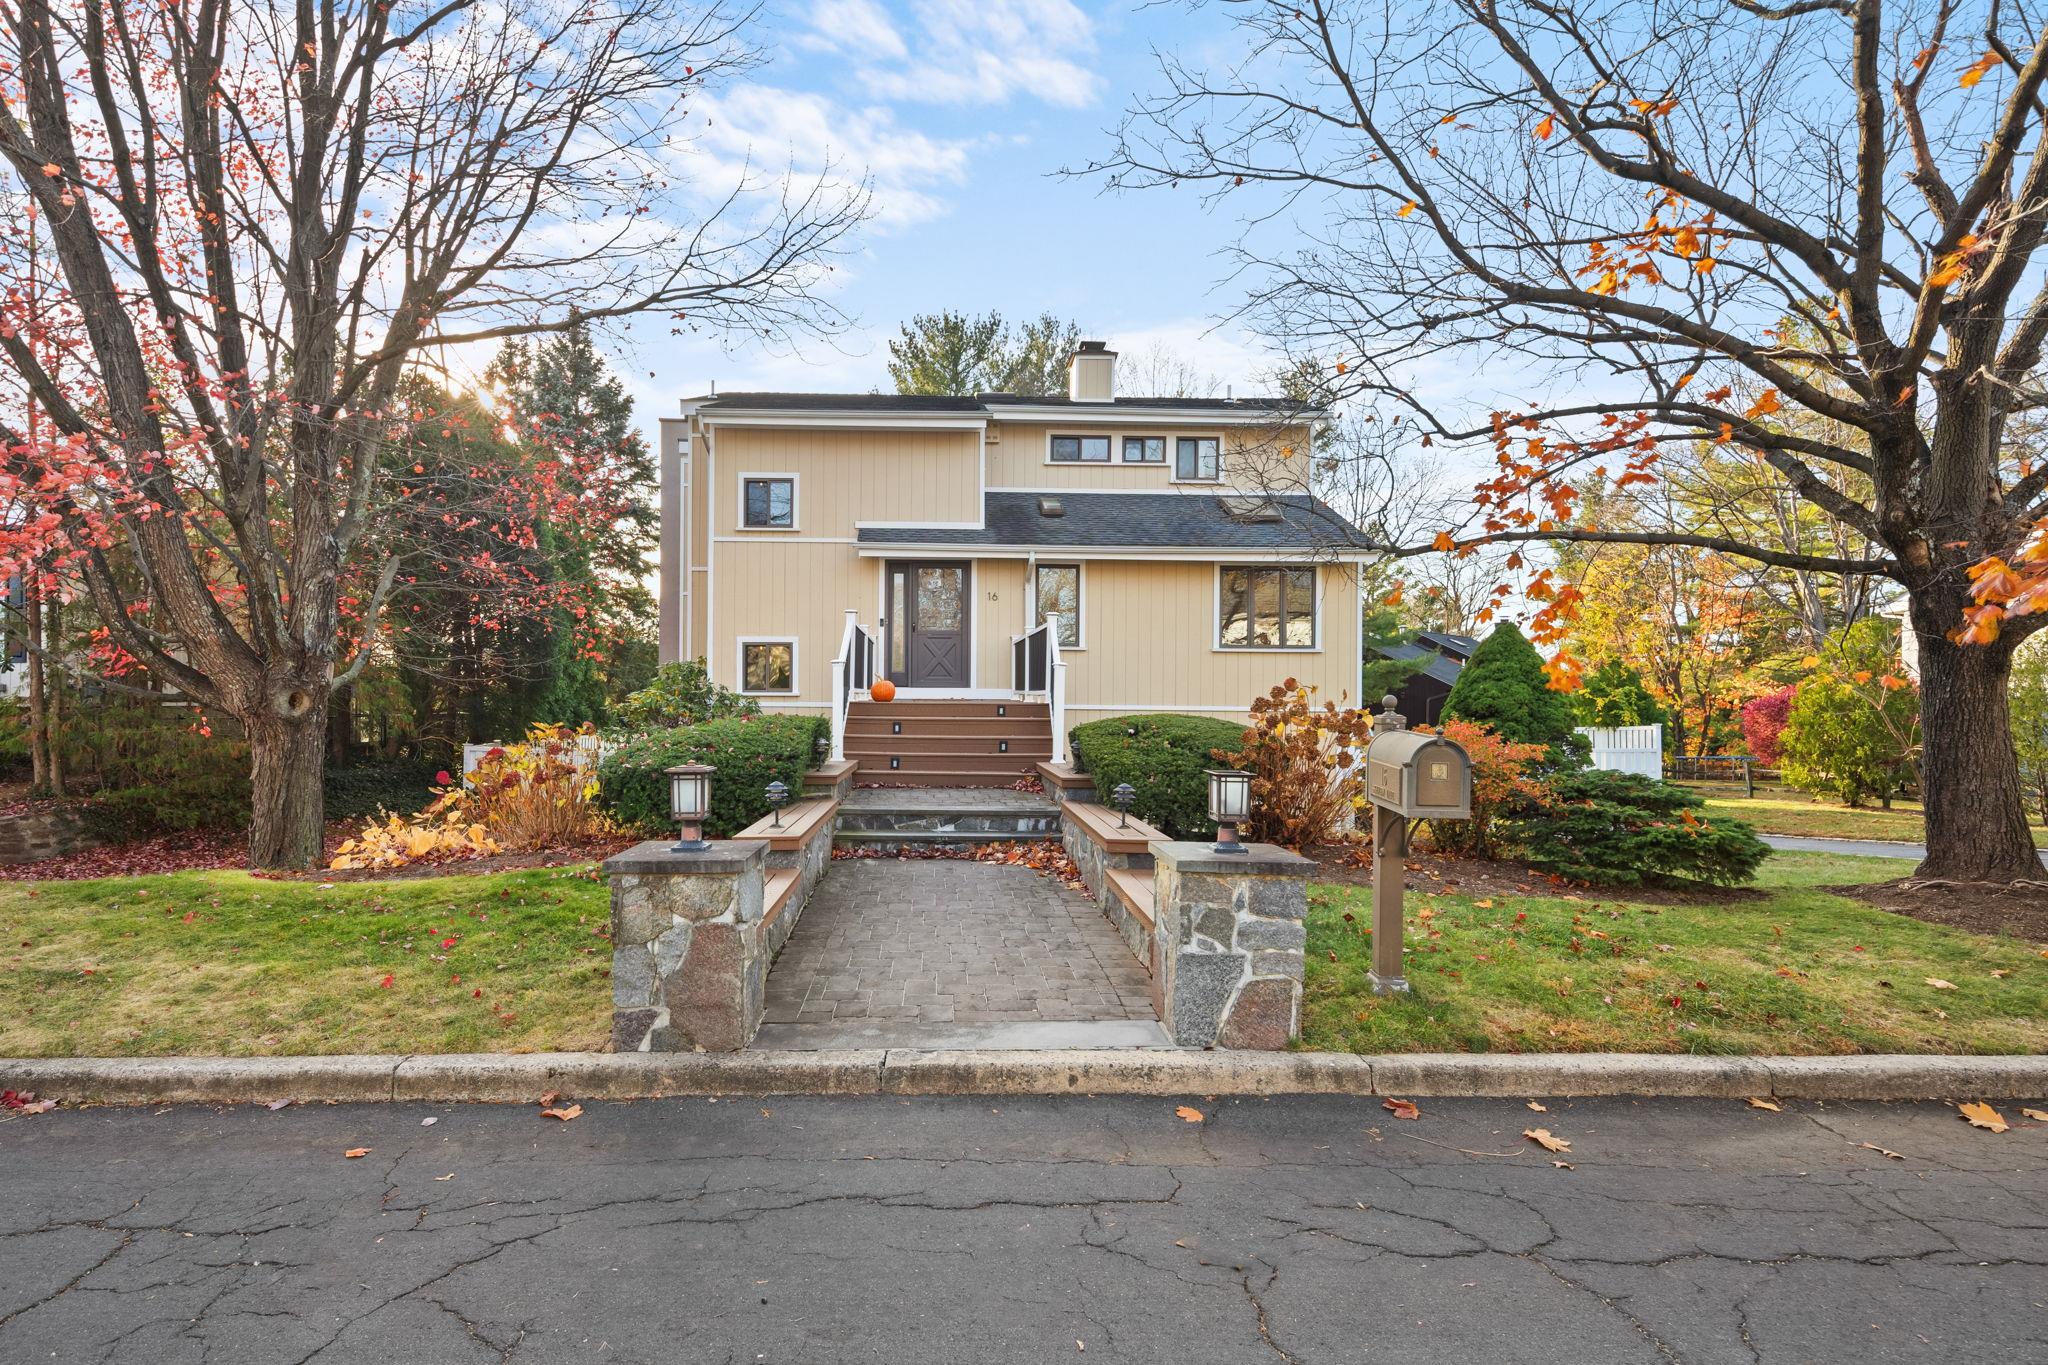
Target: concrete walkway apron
pixel 941 953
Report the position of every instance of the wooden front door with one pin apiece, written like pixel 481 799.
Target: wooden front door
pixel 928 626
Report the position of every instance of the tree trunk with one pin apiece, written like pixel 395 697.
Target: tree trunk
pixel 287 749
pixel 1976 814
pixel 53 697
pixel 39 745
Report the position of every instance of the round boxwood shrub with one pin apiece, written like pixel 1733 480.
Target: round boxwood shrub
pixel 748 751
pixel 1165 758
pixel 1624 829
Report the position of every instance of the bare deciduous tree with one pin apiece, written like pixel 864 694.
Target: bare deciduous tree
pixel 265 214
pixel 1673 224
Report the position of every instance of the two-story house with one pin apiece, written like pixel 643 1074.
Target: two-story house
pixel 1013 565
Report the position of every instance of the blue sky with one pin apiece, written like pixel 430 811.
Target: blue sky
pixel 959 112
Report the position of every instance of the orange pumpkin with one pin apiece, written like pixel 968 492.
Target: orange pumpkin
pixel 883 690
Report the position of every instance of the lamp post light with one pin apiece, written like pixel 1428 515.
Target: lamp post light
pixel 778 794
pixel 689 801
pixel 1230 804
pixel 1122 797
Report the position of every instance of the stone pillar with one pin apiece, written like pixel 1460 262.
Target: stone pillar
pixel 689 965
pixel 1231 933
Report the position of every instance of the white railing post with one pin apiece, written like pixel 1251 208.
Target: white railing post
pixel 1056 687
pixel 841 695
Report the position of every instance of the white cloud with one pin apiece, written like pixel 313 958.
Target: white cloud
pixel 964 51
pixel 813 135
pixel 859 27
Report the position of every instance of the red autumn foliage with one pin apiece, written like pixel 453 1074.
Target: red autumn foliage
pixel 1763 724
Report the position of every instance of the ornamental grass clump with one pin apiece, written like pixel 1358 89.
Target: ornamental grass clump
pixel 1307 763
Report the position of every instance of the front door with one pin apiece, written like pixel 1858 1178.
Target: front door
pixel 927 626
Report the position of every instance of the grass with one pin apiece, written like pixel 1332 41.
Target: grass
pixel 223 963
pixel 1797 971
pixel 1782 811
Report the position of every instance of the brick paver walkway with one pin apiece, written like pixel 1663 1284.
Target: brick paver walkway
pixel 936 942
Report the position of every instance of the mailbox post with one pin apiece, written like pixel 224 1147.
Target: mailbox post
pixel 1408 776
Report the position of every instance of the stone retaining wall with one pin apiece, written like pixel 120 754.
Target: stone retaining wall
pixel 1231 932
pixel 689 958
pixel 53 832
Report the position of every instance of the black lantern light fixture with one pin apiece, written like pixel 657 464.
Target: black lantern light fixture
pixel 1122 797
pixel 1230 804
pixel 689 801
pixel 778 796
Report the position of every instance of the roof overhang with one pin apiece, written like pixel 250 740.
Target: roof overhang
pixel 1109 415
pixel 776 417
pixel 1192 554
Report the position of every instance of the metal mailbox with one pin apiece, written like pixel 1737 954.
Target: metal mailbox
pixel 1419 777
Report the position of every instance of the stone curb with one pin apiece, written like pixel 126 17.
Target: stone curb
pixel 524 1077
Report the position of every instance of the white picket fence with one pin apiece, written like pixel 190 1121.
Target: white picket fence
pixel 590 751
pixel 1627 748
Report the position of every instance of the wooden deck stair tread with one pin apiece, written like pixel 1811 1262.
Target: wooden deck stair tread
pixel 1134 888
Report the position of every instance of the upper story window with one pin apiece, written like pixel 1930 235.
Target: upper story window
pixel 1144 450
pixel 768 502
pixel 1194 459
pixel 1266 607
pixel 1080 449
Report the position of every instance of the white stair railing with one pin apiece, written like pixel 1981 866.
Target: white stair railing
pixel 853 670
pixel 1056 687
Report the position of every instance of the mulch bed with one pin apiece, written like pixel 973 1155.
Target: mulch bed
pixel 224 850
pixel 587 851
pixel 1351 865
pixel 1981 908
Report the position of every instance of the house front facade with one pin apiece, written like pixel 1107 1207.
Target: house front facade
pixel 1094 554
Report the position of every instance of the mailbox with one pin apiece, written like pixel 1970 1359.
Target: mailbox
pixel 1419 777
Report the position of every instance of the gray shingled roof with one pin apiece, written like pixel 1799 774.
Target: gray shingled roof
pixel 1444 670
pixel 980 403
pixel 1197 521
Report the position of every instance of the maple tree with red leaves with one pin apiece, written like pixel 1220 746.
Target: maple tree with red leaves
pixel 252 224
pixel 1802 233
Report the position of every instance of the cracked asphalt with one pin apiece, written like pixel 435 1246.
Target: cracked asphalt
pixel 1007 1229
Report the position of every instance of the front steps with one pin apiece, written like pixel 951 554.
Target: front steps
pixel 947 743
pixel 897 819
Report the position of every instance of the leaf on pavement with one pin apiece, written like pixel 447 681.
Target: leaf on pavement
pixel 1537 1107
pixel 276 1105
pixel 563 1114
pixel 354 1152
pixel 1756 1103
pixel 1189 1113
pixel 449 1176
pixel 550 1098
pixel 1882 1151
pixel 1564 1165
pixel 1982 1115
pixel 429 1122
pixel 1545 1139
pixel 2037 1115
pixel 1402 1109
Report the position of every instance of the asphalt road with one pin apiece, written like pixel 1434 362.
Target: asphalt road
pixel 1014 1230
pixel 1861 848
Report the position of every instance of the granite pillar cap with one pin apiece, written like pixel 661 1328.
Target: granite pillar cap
pixel 658 857
pixel 1258 860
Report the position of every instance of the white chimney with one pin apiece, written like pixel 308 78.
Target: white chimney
pixel 1091 374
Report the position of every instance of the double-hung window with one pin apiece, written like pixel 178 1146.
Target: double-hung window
pixel 1266 607
pixel 1080 450
pixel 1058 590
pixel 768 503
pixel 1144 450
pixel 1194 459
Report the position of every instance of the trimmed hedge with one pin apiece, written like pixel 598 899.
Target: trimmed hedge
pixel 748 751
pixel 1166 758
pixel 362 790
pixel 1624 829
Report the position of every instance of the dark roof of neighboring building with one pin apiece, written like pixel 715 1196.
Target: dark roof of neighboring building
pixel 1151 520
pixel 1441 669
pixel 967 403
pixel 1462 645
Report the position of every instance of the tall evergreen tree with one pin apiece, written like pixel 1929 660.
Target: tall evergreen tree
pixel 1503 686
pixel 952 353
pixel 1035 359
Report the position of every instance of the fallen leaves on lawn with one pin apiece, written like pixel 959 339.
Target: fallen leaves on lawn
pixel 1940 984
pixel 1882 1151
pixel 1402 1109
pixel 1982 1115
pixel 563 1114
pixel 1547 1140
pixel 354 1152
pixel 1756 1103
pixel 1189 1113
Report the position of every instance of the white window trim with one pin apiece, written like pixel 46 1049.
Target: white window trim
pixel 796 516
pixel 1173 458
pixel 1080 598
pixel 1216 645
pixel 796 677
pixel 1115 445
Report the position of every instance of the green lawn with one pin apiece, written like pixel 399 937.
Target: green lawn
pixel 1782 811
pixel 225 963
pixel 1800 971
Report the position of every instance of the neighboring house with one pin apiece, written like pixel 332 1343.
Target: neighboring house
pixel 1420 700
pixel 812 542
